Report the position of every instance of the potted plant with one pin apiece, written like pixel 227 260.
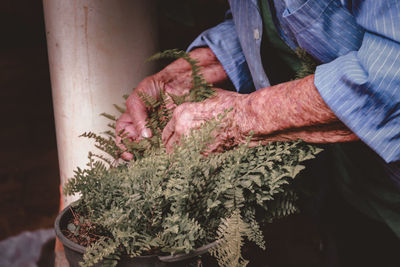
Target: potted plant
pixel 163 207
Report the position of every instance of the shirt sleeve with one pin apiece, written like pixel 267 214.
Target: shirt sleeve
pixel 224 42
pixel 363 87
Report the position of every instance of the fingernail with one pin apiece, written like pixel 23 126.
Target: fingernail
pixel 146 133
pixel 127 156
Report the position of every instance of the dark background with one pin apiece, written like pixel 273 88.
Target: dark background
pixel 29 174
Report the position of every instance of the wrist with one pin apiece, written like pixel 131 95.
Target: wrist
pixel 247 119
pixel 254 115
pixel 278 108
pixel 290 105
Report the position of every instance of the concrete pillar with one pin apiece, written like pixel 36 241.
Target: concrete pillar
pixel 97 51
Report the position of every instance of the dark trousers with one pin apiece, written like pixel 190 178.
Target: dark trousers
pixel 352 239
pixel 348 236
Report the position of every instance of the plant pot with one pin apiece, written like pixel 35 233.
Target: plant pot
pixel 74 252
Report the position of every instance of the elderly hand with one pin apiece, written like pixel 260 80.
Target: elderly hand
pixel 132 124
pixel 175 79
pixel 192 115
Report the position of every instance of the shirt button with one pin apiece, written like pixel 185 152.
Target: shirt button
pixel 256 34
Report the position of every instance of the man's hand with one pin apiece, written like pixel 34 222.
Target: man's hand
pixel 175 79
pixel 192 115
pixel 287 111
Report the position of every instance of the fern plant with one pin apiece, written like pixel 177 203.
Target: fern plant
pixel 174 203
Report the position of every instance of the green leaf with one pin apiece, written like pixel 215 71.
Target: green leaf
pixel 255 178
pixel 120 109
pixel 108 116
pixel 71 227
pixel 295 170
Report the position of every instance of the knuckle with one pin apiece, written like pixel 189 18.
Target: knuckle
pixel 131 100
pixel 179 109
pixel 183 110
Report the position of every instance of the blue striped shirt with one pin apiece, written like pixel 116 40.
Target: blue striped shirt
pixel 357 43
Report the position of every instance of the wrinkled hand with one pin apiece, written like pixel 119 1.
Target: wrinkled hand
pixel 192 115
pixel 132 124
pixel 175 79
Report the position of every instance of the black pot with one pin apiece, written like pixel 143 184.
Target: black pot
pixel 74 252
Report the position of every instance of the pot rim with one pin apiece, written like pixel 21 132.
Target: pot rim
pixel 81 249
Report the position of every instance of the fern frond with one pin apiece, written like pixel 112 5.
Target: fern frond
pixel 106 145
pixel 172 53
pixel 119 109
pixel 101 157
pixel 108 116
pixel 178 100
pixel 103 248
pixel 254 234
pixel 283 205
pixel 230 241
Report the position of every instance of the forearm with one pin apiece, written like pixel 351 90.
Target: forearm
pixel 290 111
pixel 328 133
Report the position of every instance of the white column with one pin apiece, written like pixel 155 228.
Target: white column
pixel 97 51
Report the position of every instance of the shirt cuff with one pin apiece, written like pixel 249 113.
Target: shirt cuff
pixel 370 108
pixel 224 42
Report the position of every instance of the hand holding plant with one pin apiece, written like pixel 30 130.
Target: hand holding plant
pixel 175 80
pixel 176 202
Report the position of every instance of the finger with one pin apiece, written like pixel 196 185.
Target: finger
pixel 119 142
pixel 170 104
pixel 129 133
pixel 124 129
pixel 138 114
pixel 167 134
pixel 214 73
pixel 127 156
pixel 125 117
pixel 172 142
pixel 137 109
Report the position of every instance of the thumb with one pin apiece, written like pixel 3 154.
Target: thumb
pixel 145 133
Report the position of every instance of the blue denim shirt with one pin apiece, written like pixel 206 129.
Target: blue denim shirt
pixel 357 43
